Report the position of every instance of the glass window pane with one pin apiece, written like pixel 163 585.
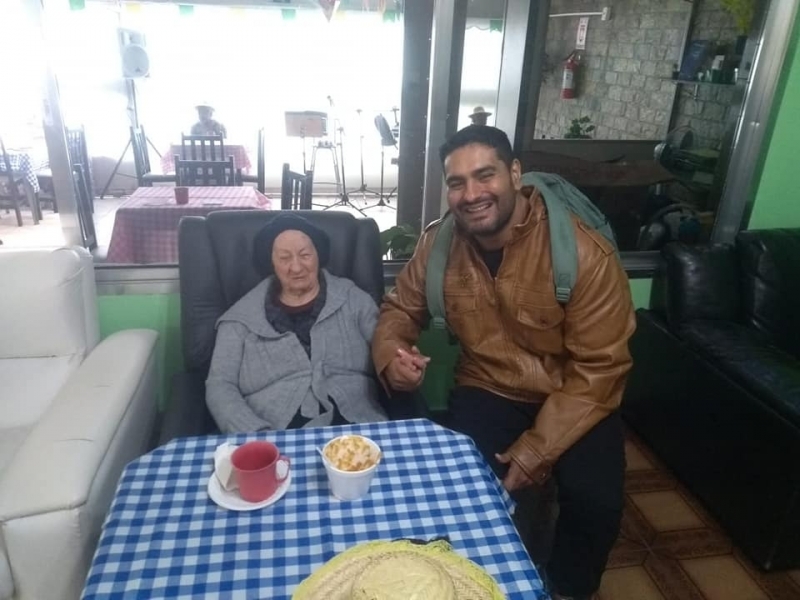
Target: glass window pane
pixel 253 65
pixel 642 117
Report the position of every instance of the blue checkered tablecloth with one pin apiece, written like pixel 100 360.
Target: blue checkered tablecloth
pixel 21 162
pixel 165 538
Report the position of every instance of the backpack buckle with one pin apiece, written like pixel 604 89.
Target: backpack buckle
pixel 563 294
pixel 438 323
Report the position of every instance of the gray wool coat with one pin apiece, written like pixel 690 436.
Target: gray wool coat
pixel 260 378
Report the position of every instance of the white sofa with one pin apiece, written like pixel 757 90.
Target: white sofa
pixel 73 412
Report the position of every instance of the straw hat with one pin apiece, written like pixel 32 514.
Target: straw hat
pixel 479 110
pixel 398 571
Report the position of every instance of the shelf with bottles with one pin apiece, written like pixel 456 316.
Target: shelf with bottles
pixel 697 83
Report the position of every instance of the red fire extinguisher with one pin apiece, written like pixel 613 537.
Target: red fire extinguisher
pixel 568 79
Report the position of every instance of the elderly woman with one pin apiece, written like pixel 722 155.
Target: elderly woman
pixel 295 351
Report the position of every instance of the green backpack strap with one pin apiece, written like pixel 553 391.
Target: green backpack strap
pixel 434 272
pixel 563 246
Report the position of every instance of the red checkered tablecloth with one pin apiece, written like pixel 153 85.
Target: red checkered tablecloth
pixel 146 225
pixel 241 160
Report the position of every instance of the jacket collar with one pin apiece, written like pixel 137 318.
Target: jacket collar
pixel 249 310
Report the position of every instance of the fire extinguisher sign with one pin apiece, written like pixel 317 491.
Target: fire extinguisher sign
pixel 583 26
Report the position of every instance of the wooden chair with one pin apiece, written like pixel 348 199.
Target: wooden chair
pixel 84 199
pixel 10 194
pixel 79 155
pixel 206 172
pixel 141 160
pixel 47 193
pixel 202 147
pixel 296 189
pixel 261 175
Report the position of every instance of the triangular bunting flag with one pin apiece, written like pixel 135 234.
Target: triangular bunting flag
pixel 328 7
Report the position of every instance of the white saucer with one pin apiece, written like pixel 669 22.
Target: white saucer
pixel 232 501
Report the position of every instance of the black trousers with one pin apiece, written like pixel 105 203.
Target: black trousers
pixel 589 478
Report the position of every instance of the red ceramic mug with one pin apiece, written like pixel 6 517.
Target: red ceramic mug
pixel 181 195
pixel 259 469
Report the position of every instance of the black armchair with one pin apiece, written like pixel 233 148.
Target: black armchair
pixel 216 271
pixel 715 385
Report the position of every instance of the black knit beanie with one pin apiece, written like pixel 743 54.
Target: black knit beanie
pixel 264 240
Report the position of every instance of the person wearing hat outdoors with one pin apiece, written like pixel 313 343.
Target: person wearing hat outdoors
pixel 479 116
pixel 294 351
pixel 206 124
pixel 538 383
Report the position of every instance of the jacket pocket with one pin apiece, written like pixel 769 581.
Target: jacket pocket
pixel 541 328
pixel 461 294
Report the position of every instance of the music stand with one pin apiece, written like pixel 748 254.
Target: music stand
pixel 307 123
pixel 387 139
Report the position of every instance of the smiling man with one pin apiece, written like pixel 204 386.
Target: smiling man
pixel 537 383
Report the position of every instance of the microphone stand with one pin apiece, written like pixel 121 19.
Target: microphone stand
pixel 344 199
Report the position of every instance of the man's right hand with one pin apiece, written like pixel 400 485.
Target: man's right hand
pixel 406 370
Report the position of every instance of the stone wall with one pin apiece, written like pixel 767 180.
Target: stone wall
pixel 624 79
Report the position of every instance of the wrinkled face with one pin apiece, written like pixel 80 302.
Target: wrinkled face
pixel 205 113
pixel 295 261
pixel 481 189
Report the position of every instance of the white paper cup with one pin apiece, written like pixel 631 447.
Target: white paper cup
pixel 351 485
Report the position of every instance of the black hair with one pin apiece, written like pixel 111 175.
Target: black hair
pixel 485 135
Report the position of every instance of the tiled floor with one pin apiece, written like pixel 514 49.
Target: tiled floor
pixel 48 232
pixel 671 549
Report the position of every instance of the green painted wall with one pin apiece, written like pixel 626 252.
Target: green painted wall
pixel 777 203
pixel 640 290
pixel 158 311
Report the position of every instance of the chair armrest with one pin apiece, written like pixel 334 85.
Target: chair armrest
pixel 56 465
pixel 697 282
pixel 186 414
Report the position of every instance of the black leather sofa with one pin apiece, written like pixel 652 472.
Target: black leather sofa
pixel 715 387
pixel 215 264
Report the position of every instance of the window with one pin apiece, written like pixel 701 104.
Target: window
pixel 252 65
pixel 643 118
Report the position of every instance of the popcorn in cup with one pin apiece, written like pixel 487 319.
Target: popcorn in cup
pixel 350 461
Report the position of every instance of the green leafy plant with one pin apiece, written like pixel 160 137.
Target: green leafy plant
pixel 742 11
pixel 579 129
pixel 399 241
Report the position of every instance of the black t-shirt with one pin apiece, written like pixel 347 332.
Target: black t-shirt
pixel 492 259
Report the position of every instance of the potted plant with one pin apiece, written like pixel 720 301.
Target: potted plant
pixel 742 11
pixel 580 129
pixel 398 242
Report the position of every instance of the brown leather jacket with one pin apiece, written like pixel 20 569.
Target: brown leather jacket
pixel 516 340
